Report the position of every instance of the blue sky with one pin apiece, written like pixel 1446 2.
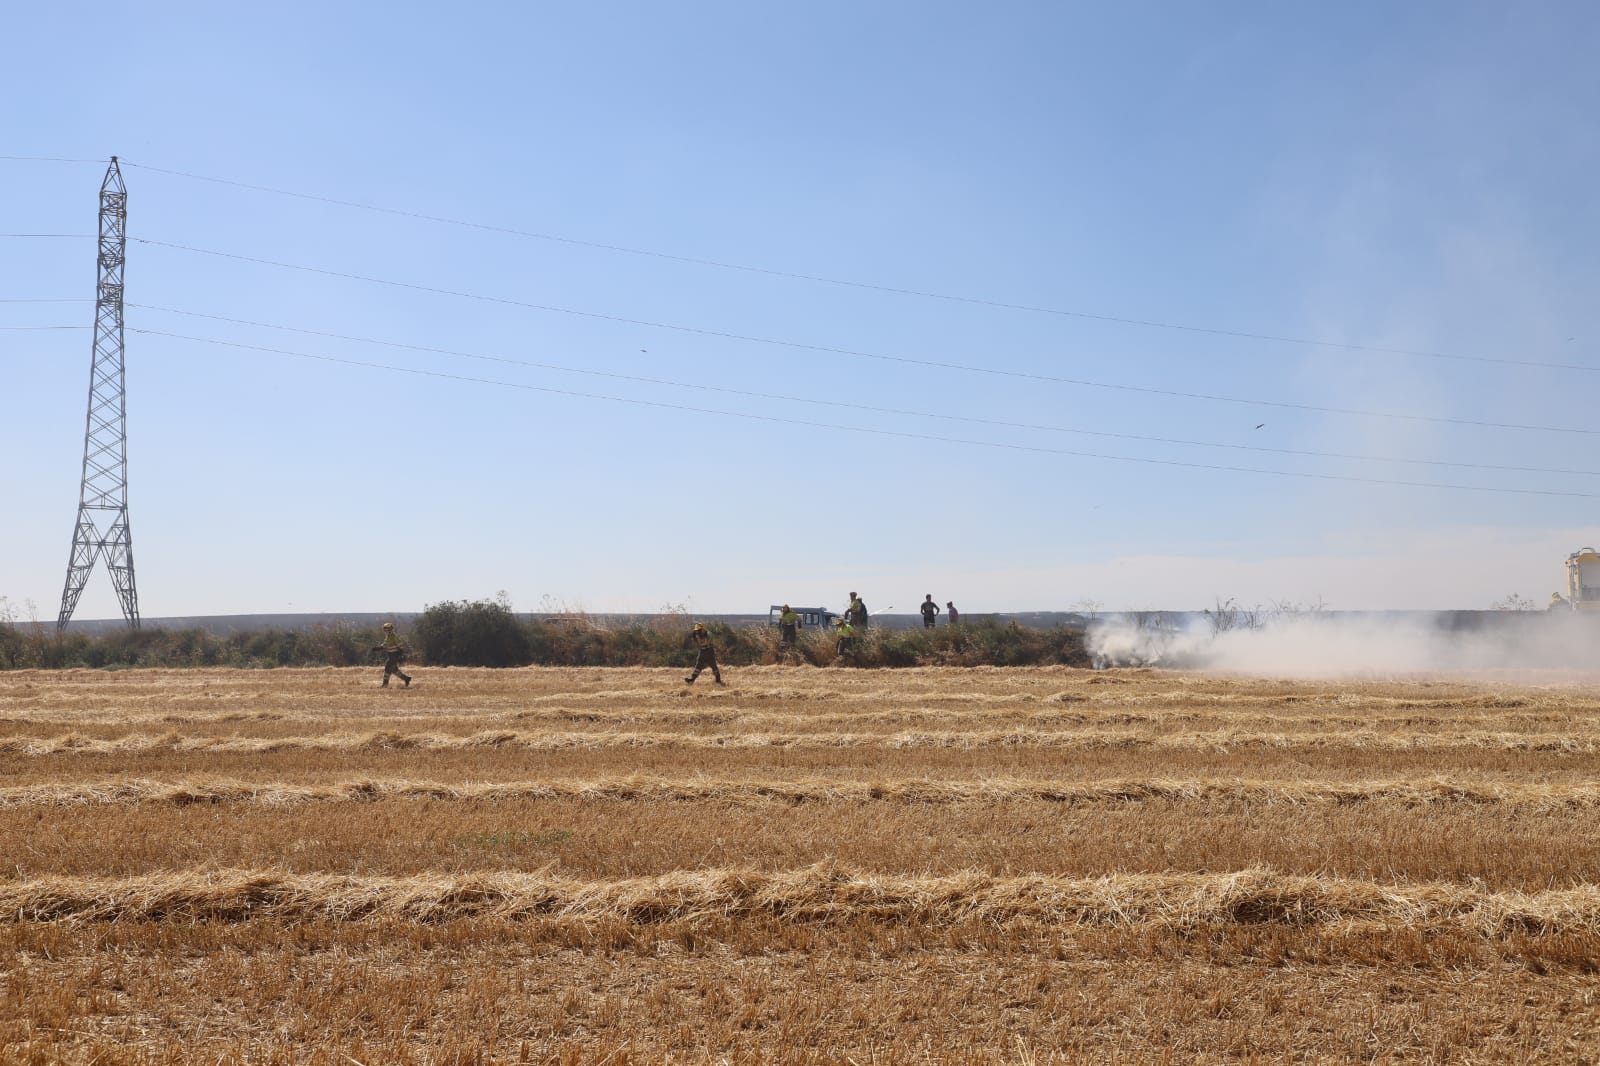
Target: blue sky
pixel 1411 177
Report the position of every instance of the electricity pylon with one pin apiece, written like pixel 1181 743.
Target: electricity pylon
pixel 103 503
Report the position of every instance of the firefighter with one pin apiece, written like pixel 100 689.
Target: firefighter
pixel 707 656
pixel 1558 602
pixel 393 652
pixel 788 631
pixel 856 612
pixel 846 647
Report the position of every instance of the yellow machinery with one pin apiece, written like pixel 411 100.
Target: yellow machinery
pixel 1583 579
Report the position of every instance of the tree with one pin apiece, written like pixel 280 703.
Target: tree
pixel 1514 602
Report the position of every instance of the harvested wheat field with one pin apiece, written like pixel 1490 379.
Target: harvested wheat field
pixel 810 865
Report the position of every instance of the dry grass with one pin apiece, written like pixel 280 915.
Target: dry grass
pixel 635 788
pixel 576 865
pixel 825 893
pixel 1572 743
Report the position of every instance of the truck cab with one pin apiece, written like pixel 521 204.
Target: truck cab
pixel 813 617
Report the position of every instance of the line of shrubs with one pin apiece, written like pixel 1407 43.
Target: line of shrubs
pixel 38 647
pixel 488 633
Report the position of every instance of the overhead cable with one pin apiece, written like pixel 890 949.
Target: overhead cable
pixel 863 429
pixel 973 420
pixel 45 159
pixel 868 286
pixel 907 360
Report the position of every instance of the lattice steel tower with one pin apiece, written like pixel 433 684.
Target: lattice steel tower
pixel 103 504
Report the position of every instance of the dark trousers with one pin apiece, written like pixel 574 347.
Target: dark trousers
pixel 706 660
pixel 927 621
pixel 391 665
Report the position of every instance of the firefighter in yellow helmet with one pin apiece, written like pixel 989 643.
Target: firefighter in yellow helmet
pixel 788 631
pixel 845 649
pixel 393 651
pixel 707 657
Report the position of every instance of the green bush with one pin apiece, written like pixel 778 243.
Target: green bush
pixel 481 633
pixel 338 645
pixel 13 647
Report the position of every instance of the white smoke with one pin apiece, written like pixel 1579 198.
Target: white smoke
pixel 1325 645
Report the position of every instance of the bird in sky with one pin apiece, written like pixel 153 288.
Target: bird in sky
pixel 1260 424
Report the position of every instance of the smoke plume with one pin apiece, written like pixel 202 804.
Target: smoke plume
pixel 1327 645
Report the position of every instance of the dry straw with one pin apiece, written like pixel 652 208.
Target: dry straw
pixel 860 715
pixel 1578 742
pixel 822 893
pixel 1434 792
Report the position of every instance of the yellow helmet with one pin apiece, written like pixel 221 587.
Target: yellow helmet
pixel 699 625
pixel 388 625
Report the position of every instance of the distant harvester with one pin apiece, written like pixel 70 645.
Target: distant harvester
pixel 1583 579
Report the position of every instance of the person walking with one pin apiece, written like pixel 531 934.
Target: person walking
pixel 707 657
pixel 393 651
pixel 788 632
pixel 856 612
pixel 952 615
pixel 930 611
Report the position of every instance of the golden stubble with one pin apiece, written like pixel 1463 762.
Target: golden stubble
pixel 811 865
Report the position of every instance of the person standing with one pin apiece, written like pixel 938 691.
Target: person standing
pixel 856 612
pixel 788 632
pixel 707 657
pixel 952 615
pixel 930 612
pixel 393 651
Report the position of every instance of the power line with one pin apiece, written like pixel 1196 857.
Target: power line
pixel 869 286
pixel 44 327
pixel 863 429
pixel 907 360
pixel 47 159
pixel 71 236
pixel 45 300
pixel 854 406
